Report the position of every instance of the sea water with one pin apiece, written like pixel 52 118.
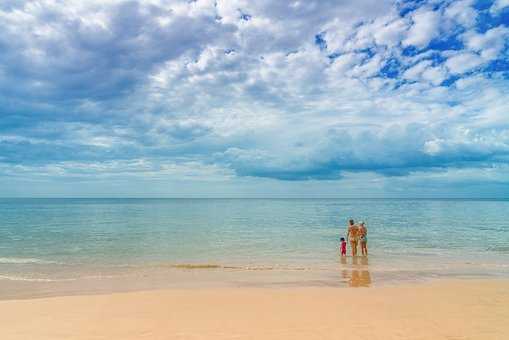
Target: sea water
pixel 46 240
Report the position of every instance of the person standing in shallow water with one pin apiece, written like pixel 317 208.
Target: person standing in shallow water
pixel 363 238
pixel 352 235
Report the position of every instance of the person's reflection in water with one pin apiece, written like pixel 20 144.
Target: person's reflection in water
pixel 365 277
pixel 358 275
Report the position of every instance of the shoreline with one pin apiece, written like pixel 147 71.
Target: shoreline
pixel 32 278
pixel 441 309
pixel 210 279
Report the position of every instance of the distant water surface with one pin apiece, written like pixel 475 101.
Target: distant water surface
pixel 46 240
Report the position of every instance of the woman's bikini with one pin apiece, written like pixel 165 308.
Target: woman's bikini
pixel 364 235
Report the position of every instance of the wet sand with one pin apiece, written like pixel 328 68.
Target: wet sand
pixel 459 309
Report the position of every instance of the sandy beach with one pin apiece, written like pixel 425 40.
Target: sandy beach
pixel 462 309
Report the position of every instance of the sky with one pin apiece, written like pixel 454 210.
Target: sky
pixel 259 98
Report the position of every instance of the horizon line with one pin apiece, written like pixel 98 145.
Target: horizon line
pixel 249 197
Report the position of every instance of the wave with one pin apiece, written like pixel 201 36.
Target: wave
pixel 31 279
pixel 20 260
pixel 196 266
pixel 192 266
pixel 500 249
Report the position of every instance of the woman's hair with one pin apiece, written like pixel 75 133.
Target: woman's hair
pixel 342 239
pixel 351 221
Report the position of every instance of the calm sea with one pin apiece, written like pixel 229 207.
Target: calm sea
pixel 51 240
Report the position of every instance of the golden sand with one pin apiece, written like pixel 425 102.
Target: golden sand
pixel 440 310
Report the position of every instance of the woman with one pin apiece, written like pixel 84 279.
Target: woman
pixel 363 238
pixel 352 235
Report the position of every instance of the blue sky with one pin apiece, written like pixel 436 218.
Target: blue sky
pixel 365 98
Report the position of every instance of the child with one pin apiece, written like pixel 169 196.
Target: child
pixel 343 247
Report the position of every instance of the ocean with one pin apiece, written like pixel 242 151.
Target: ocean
pixel 45 241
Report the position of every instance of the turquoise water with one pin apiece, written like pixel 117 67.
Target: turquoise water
pixel 48 239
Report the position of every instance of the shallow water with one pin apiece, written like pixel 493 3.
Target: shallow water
pixel 50 240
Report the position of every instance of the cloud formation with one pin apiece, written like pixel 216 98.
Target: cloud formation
pixel 292 91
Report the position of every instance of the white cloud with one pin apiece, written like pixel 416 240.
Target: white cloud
pixel 498 6
pixel 122 169
pixel 425 27
pixel 488 44
pixel 415 72
pixel 433 147
pixel 424 71
pixel 345 62
pixel 463 62
pixel 243 88
pixel 391 34
pixel 435 75
pixel 461 12
pixel 368 69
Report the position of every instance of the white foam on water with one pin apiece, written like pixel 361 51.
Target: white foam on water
pixel 19 260
pixel 31 279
